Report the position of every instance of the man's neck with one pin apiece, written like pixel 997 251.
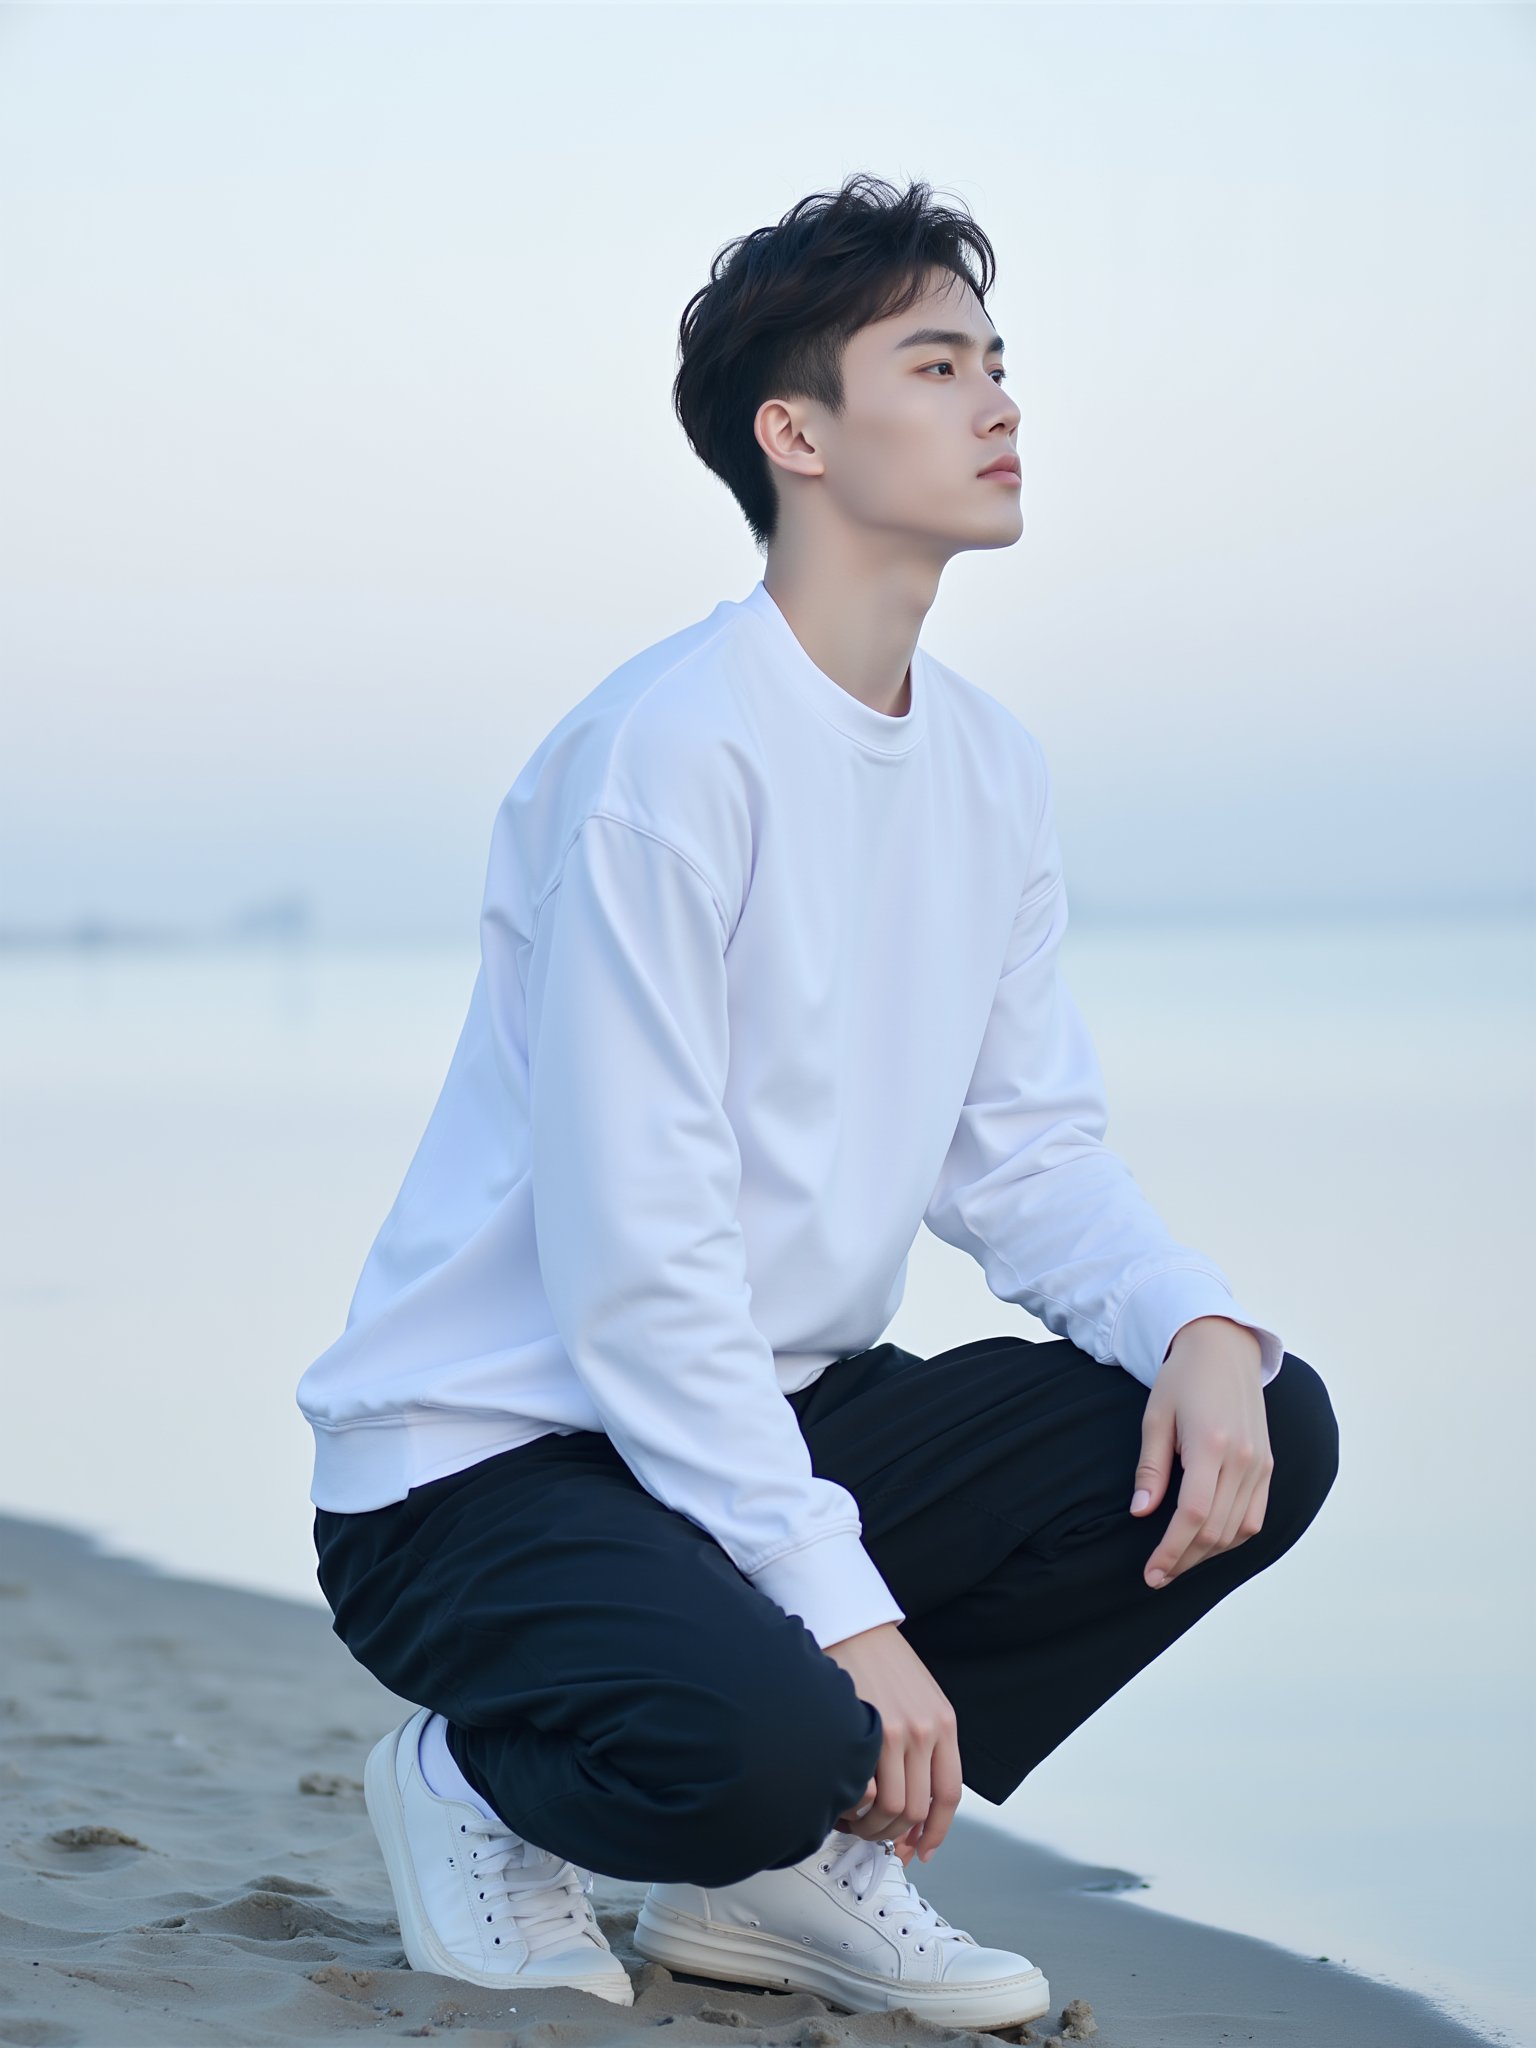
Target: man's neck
pixel 859 632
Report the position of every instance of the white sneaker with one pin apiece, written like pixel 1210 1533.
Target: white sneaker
pixel 848 1924
pixel 475 1900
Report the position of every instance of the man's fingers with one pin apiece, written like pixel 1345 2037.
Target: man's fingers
pixel 928 1780
pixel 919 1787
pixel 1187 1518
pixel 1205 1485
pixel 1225 1510
pixel 1192 1536
pixel 861 1809
pixel 1251 1518
pixel 948 1783
pixel 1234 1532
pixel 891 1798
pixel 1220 1435
pixel 1151 1476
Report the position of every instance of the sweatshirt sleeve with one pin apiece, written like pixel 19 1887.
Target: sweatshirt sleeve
pixel 636 1173
pixel 1028 1187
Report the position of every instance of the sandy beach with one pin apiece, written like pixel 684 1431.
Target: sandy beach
pixel 187 1858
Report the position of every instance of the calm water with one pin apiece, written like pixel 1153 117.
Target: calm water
pixel 198 1149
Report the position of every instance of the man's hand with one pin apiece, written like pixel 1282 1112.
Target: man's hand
pixel 1207 1404
pixel 917 1783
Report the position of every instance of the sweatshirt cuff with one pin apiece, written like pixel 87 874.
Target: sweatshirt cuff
pixel 1154 1312
pixel 833 1586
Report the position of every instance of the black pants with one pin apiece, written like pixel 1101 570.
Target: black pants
pixel 621 1695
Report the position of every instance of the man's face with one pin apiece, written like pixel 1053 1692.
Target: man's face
pixel 922 420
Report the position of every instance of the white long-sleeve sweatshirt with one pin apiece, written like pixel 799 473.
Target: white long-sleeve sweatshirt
pixel 768 979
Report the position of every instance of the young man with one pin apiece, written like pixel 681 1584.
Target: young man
pixel 693 1577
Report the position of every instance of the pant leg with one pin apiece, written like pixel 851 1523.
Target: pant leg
pixel 622 1695
pixel 994 1482
pixel 614 1687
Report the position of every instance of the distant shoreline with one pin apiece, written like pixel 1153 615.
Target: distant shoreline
pixel 292 923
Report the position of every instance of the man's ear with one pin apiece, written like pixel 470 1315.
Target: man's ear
pixel 785 432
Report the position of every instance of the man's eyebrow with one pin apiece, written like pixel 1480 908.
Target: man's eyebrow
pixel 947 337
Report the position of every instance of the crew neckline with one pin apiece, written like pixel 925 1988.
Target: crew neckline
pixel 851 715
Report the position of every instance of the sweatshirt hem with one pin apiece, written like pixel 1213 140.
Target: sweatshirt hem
pixel 375 1461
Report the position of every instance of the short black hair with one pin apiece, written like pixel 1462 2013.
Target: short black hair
pixel 782 303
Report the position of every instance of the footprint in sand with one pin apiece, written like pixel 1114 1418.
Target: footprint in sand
pixel 295 1887
pixel 95 1838
pixel 329 1785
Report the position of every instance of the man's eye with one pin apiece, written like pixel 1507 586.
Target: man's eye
pixel 998 372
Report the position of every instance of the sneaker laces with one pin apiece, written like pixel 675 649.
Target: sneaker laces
pixel 875 1868
pixel 549 1899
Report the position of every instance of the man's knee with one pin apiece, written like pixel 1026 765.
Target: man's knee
pixel 771 1776
pixel 1304 1438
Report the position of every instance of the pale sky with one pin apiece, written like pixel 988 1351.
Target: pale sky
pixel 337 458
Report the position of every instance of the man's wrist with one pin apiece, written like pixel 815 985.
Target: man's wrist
pixel 1201 1330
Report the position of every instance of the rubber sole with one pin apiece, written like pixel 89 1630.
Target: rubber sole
pixel 418 1937
pixel 744 1956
